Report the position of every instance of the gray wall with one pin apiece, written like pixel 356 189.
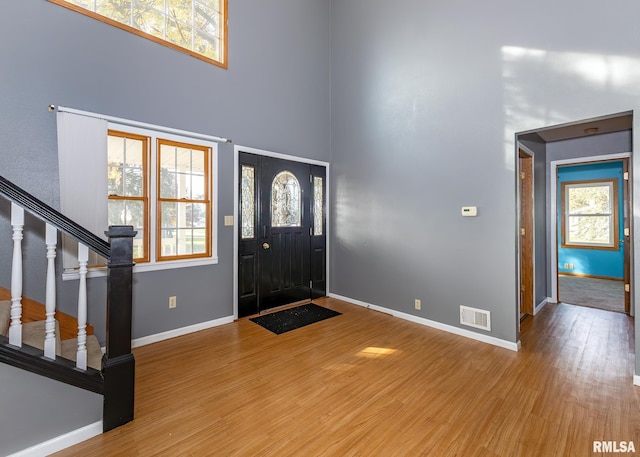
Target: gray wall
pixel 36 409
pixel 426 103
pixel 589 146
pixel 274 96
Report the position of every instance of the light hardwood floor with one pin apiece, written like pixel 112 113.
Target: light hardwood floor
pixel 367 384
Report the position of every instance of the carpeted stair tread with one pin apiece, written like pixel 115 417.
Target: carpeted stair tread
pixel 5 317
pixel 33 335
pixel 94 352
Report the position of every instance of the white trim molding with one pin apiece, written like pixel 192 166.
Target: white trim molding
pixel 437 325
pixel 180 331
pixel 61 442
pixel 541 305
pixel 636 380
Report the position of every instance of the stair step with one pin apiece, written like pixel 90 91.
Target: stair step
pixel 94 352
pixel 5 317
pixel 33 335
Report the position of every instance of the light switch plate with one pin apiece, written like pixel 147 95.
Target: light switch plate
pixel 228 221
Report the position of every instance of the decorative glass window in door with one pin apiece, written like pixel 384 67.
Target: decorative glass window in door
pixel 286 201
pixel 317 206
pixel 247 207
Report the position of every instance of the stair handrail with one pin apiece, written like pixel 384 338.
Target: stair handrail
pixel 45 212
pixel 118 371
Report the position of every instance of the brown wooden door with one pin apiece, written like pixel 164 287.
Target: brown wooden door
pixel 526 233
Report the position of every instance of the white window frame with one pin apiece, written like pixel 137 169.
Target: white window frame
pixel 155 132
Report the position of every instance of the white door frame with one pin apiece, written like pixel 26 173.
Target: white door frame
pixel 553 181
pixel 236 200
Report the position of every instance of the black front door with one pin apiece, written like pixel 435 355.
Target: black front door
pixel 282 229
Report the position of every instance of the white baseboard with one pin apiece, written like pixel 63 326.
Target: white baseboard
pixel 438 325
pixel 540 305
pixel 61 442
pixel 636 380
pixel 180 331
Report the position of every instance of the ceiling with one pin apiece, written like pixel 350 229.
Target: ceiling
pixel 607 124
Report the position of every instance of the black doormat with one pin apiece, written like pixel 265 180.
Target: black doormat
pixel 293 318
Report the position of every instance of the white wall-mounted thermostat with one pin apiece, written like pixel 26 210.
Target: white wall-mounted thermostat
pixel 469 211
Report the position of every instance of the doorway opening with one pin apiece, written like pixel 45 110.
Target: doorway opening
pixel 592 232
pixel 592 140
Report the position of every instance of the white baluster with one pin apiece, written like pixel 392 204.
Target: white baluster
pixel 15 329
pixel 51 241
pixel 83 260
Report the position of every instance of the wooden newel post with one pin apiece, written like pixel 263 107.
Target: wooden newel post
pixel 118 363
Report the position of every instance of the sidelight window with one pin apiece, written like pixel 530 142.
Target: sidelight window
pixel 318 206
pixel 247 206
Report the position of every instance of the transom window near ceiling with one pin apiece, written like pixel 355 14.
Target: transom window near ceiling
pixel 589 214
pixel 197 27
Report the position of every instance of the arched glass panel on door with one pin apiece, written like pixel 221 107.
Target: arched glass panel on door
pixel 286 201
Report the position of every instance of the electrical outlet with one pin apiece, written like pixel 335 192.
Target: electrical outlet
pixel 172 301
pixel 418 304
pixel 566 266
pixel 570 266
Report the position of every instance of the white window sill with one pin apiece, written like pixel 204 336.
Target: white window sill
pixel 98 272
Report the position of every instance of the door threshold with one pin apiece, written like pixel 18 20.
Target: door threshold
pixel 287 306
pixel 278 308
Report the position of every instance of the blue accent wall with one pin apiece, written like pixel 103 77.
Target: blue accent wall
pixel 595 262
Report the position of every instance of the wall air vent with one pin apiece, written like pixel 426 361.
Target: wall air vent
pixel 478 318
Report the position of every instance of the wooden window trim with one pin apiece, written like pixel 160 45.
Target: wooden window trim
pixel 615 204
pixel 223 37
pixel 145 185
pixel 206 201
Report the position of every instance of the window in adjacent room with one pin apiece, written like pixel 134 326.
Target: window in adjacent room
pixel 197 27
pixel 589 214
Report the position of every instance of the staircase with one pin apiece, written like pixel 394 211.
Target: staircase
pixel 33 334
pixel 39 338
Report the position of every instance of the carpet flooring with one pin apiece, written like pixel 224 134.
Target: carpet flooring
pixel 595 293
pixel 293 318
